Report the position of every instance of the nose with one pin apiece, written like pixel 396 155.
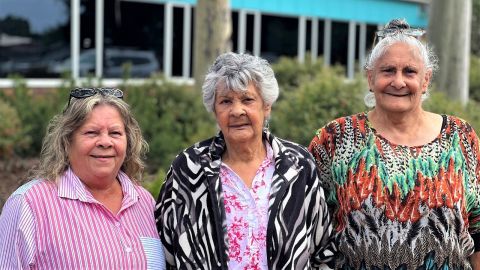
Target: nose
pixel 398 82
pixel 104 141
pixel 237 109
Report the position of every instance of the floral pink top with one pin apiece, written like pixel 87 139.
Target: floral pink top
pixel 247 215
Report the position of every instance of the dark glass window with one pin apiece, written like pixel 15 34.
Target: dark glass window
pixel 279 37
pixel 321 40
pixel 371 30
pixel 339 43
pixel 234 37
pixel 249 33
pixel 135 31
pixel 34 37
pixel 177 47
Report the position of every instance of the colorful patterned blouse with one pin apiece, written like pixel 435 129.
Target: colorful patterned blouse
pixel 246 211
pixel 400 207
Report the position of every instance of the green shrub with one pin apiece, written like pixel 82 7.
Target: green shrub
pixel 290 74
pixel 34 110
pixel 439 103
pixel 12 138
pixel 172 117
pixel 326 95
pixel 474 81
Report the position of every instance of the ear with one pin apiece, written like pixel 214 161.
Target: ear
pixel 370 78
pixel 267 109
pixel 426 80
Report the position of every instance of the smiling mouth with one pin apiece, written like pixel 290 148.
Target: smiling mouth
pixel 397 95
pixel 96 156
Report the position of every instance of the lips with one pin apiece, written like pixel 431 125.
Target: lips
pixel 239 125
pixel 398 95
pixel 102 156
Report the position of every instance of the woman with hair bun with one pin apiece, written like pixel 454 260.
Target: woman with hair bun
pixel 401 183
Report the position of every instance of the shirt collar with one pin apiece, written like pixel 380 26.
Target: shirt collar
pixel 71 187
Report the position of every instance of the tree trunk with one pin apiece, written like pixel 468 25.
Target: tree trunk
pixel 449 30
pixel 212 35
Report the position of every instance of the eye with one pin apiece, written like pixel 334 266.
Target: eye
pixel 116 134
pixel 388 70
pixel 91 133
pixel 225 101
pixel 248 100
pixel 410 71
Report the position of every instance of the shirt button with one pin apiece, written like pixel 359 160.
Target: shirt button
pixel 128 249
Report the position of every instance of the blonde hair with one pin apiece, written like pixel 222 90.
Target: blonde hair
pixel 56 143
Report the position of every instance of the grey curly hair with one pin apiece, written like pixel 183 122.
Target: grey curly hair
pixel 235 72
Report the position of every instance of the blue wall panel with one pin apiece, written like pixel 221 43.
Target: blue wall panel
pixel 368 11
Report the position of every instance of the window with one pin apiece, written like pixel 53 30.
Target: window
pixel 34 35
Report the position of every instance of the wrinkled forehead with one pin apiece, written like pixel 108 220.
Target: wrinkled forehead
pixel 401 51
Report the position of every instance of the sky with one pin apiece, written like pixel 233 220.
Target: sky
pixel 42 14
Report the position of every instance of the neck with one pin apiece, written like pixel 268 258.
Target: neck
pixel 413 129
pixel 245 152
pixel 110 195
pixel 397 121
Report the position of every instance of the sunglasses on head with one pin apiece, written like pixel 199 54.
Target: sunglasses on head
pixel 88 92
pixel 412 32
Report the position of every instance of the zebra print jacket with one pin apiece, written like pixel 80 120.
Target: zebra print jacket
pixel 190 212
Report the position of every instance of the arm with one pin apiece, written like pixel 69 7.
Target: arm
pixel 321 152
pixel 322 235
pixel 475 261
pixel 164 216
pixel 17 232
pixel 474 217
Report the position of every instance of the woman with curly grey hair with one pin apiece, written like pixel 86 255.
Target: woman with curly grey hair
pixel 243 199
pixel 401 182
pixel 84 209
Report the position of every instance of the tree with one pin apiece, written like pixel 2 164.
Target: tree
pixel 212 35
pixel 449 30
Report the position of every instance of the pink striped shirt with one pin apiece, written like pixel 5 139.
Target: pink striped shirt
pixel 48 226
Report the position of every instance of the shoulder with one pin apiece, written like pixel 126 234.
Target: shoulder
pixel 456 125
pixel 143 193
pixel 193 153
pixel 354 120
pixel 34 193
pixel 290 148
pixel 339 126
pixel 292 153
pixel 33 187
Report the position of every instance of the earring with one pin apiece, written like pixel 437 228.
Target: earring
pixel 266 124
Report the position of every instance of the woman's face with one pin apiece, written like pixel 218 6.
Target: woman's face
pixel 240 116
pixel 98 147
pixel 398 79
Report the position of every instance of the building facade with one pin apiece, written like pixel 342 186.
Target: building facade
pixel 47 40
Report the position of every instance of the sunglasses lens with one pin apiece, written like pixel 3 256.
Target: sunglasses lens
pixel 113 92
pixel 82 92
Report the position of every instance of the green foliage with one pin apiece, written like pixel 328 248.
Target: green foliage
pixel 474 81
pixel 290 74
pixel 322 95
pixel 475 34
pixel 439 103
pixel 34 111
pixel 153 185
pixel 172 117
pixel 11 132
